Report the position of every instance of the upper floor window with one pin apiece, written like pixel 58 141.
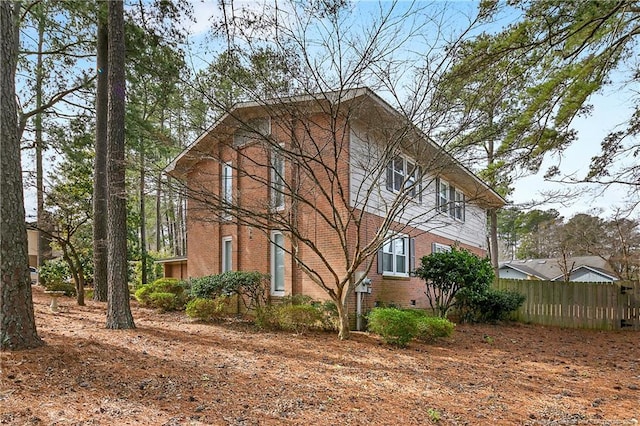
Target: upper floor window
pixel 450 200
pixel 440 248
pixel 227 188
pixel 397 256
pixel 253 129
pixel 404 174
pixel 277 180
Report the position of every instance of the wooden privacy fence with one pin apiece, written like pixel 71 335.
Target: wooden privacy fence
pixel 607 306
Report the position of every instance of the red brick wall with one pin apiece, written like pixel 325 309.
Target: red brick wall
pixel 251 250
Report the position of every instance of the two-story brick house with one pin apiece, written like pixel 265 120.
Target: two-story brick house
pixel 317 190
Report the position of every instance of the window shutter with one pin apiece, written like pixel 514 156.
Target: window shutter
pixel 419 177
pixel 452 201
pixel 412 255
pixel 380 256
pixel 464 207
pixel 433 247
pixel 438 193
pixel 390 175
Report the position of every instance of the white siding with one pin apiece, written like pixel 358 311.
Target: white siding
pixel 368 191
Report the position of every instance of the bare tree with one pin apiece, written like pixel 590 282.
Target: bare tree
pixel 329 172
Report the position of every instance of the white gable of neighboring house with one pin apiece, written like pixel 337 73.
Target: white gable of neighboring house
pixel 588 275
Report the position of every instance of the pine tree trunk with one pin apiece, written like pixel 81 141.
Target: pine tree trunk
pixel 493 238
pixel 17 323
pixel 143 219
pixel 39 143
pixel 118 308
pixel 100 162
pixel 158 213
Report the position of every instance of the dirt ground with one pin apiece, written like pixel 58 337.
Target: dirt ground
pixel 172 371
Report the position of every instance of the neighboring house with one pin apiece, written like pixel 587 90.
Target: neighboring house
pixel 237 164
pixel 579 268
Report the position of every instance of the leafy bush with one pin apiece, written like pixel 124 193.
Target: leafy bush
pixel 146 294
pixel 54 272
pixel 490 306
pixel 432 328
pixel 68 288
pixel 329 313
pixel 206 287
pixel 298 318
pixel 452 273
pixel 266 317
pixel 249 286
pixel 207 309
pixel 395 326
pixel 163 301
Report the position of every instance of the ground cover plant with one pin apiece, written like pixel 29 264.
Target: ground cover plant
pixel 173 371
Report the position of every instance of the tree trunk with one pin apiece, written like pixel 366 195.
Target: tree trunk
pixel 100 174
pixel 118 308
pixel 80 281
pixel 344 331
pixel 143 220
pixel 17 323
pixel 158 216
pixel 39 143
pixel 493 239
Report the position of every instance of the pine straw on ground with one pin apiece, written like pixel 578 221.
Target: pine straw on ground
pixel 172 371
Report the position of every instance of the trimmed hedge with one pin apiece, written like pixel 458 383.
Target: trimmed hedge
pixel 156 294
pixel 398 327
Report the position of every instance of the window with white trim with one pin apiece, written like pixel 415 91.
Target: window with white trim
pixel 277 263
pixel 403 173
pixel 395 256
pixel 227 254
pixel 227 189
pixel 440 248
pixel 277 180
pixel 450 200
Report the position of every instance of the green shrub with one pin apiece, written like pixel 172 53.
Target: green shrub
pixel 329 312
pixel 68 288
pixel 54 272
pixel 296 299
pixel 206 287
pixel 493 305
pixel 298 318
pixel 250 286
pixel 395 326
pixel 163 301
pixel 451 274
pixel 207 309
pixel 266 317
pixel 432 328
pixel 147 294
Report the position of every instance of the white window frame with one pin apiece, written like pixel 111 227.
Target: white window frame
pixel 227 189
pixel 451 201
pixel 443 197
pixel 398 173
pixel 276 249
pixel 227 257
pixel 277 180
pixel 390 248
pixel 440 248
